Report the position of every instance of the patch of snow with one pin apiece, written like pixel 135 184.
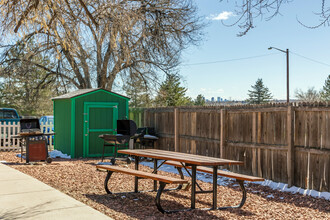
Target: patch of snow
pixel 271 196
pixel 58 154
pixel 147 136
pixel 19 155
pixel 104 163
pixel 224 181
pixel 281 197
pixel 3 161
pixel 284 188
pixel 325 195
pixel 52 154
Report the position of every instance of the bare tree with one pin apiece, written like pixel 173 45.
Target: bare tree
pixel 249 10
pixel 92 42
pixel 311 95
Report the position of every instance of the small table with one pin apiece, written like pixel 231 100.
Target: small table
pixel 186 160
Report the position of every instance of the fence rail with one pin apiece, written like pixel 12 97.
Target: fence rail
pixel 283 143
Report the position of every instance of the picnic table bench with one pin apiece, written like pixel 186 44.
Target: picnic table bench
pixel 240 178
pixel 163 181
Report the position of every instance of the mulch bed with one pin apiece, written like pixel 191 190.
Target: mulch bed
pixel 80 180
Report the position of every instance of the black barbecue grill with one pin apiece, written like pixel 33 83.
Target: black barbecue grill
pixel 126 129
pixel 145 137
pixel 30 125
pixel 34 139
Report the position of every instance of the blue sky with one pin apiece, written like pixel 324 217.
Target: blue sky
pixel 232 80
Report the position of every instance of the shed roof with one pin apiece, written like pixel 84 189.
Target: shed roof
pixel 80 92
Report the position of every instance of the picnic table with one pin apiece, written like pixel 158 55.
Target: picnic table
pixel 186 160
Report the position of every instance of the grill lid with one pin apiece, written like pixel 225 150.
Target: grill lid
pixel 29 125
pixel 126 127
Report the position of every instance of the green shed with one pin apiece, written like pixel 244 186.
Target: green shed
pixel 81 116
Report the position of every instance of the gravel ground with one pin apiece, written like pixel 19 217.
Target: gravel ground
pixel 80 180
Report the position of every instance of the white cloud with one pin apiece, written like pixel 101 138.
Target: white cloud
pixel 222 16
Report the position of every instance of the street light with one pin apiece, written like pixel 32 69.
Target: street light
pixel 287 70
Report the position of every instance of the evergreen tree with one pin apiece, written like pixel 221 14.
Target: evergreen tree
pixel 200 100
pixel 325 93
pixel 171 93
pixel 259 93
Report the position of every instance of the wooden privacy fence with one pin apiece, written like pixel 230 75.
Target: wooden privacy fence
pixel 282 143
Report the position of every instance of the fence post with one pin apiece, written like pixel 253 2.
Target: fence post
pixel 254 140
pixel 223 132
pixel 290 141
pixel 176 129
pixel 140 118
pixel 259 125
pixel 145 118
pixel 193 132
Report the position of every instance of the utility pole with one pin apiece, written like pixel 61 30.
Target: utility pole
pixel 287 72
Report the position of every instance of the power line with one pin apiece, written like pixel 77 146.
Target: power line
pixel 253 57
pixel 310 59
pixel 230 60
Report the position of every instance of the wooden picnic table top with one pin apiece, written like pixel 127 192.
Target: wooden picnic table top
pixel 180 157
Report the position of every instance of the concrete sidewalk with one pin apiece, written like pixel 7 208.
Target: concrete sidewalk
pixel 23 197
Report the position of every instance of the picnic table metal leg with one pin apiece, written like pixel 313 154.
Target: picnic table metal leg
pixel 136 181
pixel 241 184
pixel 215 185
pixel 159 193
pixel 161 189
pixel 200 188
pixel 103 153
pixel 27 155
pixel 109 173
pixel 21 152
pixel 155 171
pixel 181 175
pixel 156 167
pixel 113 160
pixel 193 186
